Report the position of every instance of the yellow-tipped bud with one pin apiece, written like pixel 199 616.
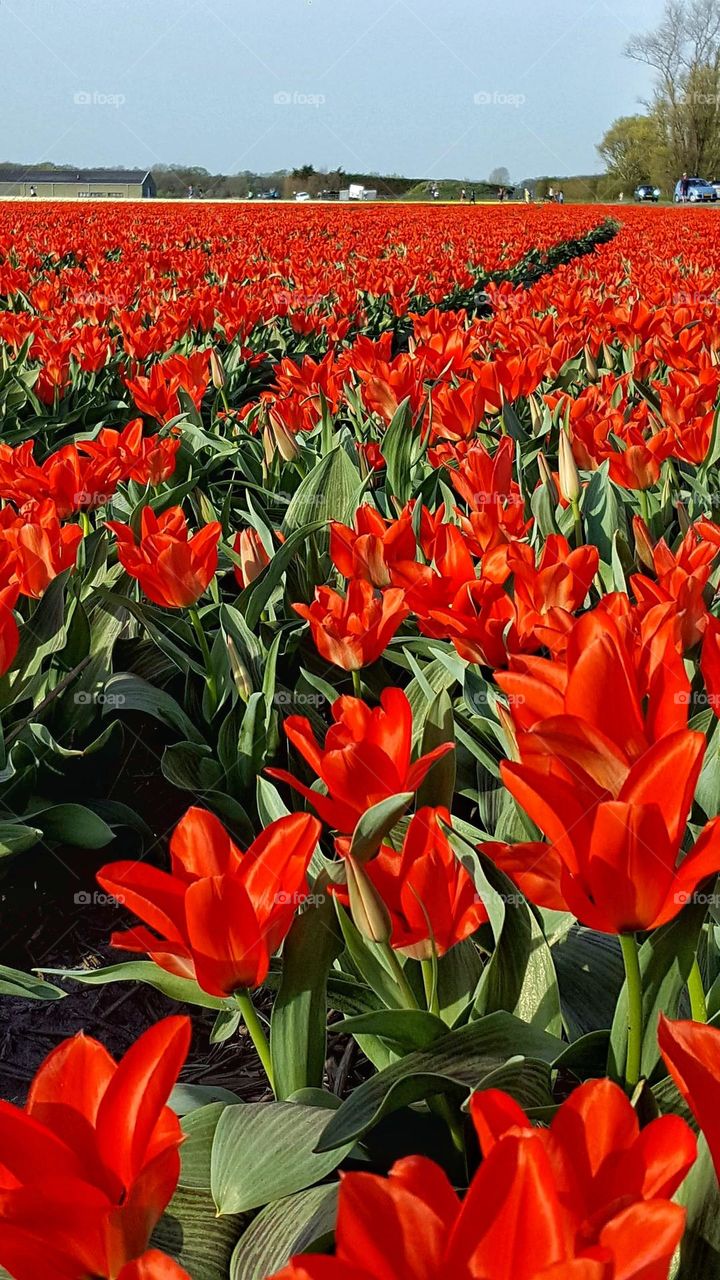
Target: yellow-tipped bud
pixel 370 915
pixel 567 470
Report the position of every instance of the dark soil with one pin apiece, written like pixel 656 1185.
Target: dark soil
pixel 56 918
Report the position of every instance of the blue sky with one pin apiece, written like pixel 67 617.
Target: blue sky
pixel 414 87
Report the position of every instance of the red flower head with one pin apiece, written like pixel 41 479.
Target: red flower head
pixel 430 897
pixel 354 631
pixel 9 634
pixel 220 914
pixel 173 568
pixel 371 549
pixel 366 757
pixel 89 1166
pixel 39 545
pixel 692 1053
pixel 522 1218
pixel 610 791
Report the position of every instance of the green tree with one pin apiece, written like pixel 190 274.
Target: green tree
pixel 684 52
pixel 632 151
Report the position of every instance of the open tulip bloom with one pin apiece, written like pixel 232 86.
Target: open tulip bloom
pixel 89 1166
pixel 365 758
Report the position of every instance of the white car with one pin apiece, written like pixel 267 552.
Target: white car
pixel 302 196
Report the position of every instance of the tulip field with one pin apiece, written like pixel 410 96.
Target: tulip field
pixel 359 742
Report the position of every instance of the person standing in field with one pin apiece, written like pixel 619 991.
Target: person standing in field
pixel 527 195
pixel 684 187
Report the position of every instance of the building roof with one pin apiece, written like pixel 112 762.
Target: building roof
pixel 16 174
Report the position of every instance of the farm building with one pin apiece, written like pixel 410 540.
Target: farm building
pixel 78 184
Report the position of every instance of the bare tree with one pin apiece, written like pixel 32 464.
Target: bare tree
pixel 684 51
pixel 500 177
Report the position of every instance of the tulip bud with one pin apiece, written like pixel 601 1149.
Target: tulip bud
pixel 537 417
pixel 284 439
pixel 683 518
pixel 591 365
pixel 568 472
pixel 509 730
pixel 253 557
pixel 370 915
pixel 239 670
pixel 547 479
pixel 643 544
pixel 217 371
pixel 268 444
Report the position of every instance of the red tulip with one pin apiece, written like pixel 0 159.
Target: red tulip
pixel 9 634
pixel 366 757
pixel 522 1217
pixel 710 662
pixel 172 567
pixel 354 631
pixel 374 545
pixel 611 792
pixel 39 545
pixel 89 1166
pixel 692 1053
pixel 431 899
pixel 220 914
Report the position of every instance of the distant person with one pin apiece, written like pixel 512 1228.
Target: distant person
pixel 191 193
pixel 527 195
pixel 501 194
pixel 561 197
pixel 463 196
pixel 551 193
pixel 472 196
pixel 684 187
pixel 621 197
pixel 33 192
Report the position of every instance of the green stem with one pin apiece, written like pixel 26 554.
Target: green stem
pixel 631 957
pixel 429 974
pixel 696 992
pixel 357 684
pixel 256 1032
pixel 644 508
pixel 398 974
pixel 444 1110
pixel 577 519
pixel 202 641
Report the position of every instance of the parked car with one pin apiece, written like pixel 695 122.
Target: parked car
pixel 647 192
pixel 699 191
pixel 302 196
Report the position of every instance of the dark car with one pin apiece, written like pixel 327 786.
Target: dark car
pixel 647 192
